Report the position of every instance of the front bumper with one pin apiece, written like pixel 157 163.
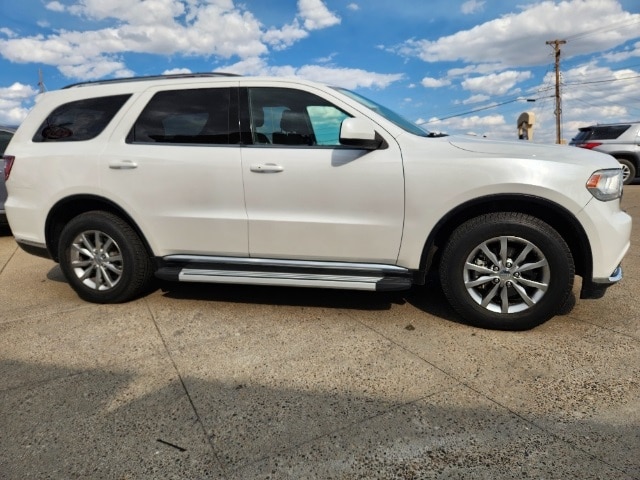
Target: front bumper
pixel 596 288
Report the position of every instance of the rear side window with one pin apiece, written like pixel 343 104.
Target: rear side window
pixel 79 120
pixel 583 135
pixel 197 116
pixel 610 132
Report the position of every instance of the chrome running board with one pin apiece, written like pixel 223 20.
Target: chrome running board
pixel 290 273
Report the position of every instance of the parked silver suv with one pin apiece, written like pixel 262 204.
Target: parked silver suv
pixel 279 181
pixel 620 140
pixel 5 135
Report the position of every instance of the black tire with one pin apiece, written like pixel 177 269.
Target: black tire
pixel 506 271
pixel 628 169
pixel 103 258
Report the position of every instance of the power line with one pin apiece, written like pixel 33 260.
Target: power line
pixel 477 110
pixel 600 81
pixel 613 26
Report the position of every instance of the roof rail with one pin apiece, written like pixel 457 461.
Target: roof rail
pixel 151 77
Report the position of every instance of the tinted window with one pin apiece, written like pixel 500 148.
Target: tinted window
pixel 80 120
pixel 4 140
pixel 198 116
pixel 609 132
pixel 284 116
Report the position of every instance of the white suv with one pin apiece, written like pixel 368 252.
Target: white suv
pixel 270 181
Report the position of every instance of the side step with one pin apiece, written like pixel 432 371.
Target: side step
pixel 289 273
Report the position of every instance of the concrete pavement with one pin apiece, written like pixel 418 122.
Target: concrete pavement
pixel 233 382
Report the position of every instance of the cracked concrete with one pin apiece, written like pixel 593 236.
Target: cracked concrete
pixel 236 382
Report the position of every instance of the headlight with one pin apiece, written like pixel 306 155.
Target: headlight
pixel 606 185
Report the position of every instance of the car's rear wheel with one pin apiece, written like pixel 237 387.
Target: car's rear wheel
pixel 507 271
pixel 103 258
pixel 628 170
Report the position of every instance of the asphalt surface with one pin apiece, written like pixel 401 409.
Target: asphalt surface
pixel 235 382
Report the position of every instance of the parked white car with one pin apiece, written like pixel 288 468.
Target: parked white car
pixel 272 181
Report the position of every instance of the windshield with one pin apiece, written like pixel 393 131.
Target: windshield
pixel 387 113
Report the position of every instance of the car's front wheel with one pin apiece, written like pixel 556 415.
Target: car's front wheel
pixel 103 258
pixel 507 271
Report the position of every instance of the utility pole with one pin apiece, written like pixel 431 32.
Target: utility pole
pixel 556 47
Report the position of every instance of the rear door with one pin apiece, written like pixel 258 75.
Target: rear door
pixel 178 173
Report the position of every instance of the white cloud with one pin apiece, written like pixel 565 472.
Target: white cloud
pixel 95 69
pixel 612 99
pixel 518 39
pixel 495 83
pixel 475 99
pixel 623 55
pixel 149 12
pixel 55 6
pixel 430 82
pixel 477 121
pixel 354 7
pixel 89 54
pixel 328 59
pixel 348 77
pixel 286 36
pixel 15 102
pixel 481 69
pixel 472 6
pixel 163 27
pixel 494 50
pixel 7 32
pixel 343 77
pixel 494 126
pixel 175 71
pixel 316 15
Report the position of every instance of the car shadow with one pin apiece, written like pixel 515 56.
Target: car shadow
pixel 428 298
pixel 285 296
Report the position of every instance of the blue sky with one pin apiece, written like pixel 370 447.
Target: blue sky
pixel 456 66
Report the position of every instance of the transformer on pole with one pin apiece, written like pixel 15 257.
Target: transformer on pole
pixel 526 120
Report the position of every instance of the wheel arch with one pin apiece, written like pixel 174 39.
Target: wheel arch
pixel 558 217
pixel 66 209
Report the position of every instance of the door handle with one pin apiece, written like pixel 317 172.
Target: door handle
pixel 266 168
pixel 123 165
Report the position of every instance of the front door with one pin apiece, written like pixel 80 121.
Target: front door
pixel 308 197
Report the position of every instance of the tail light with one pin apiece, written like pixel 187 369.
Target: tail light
pixel 590 145
pixel 8 163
